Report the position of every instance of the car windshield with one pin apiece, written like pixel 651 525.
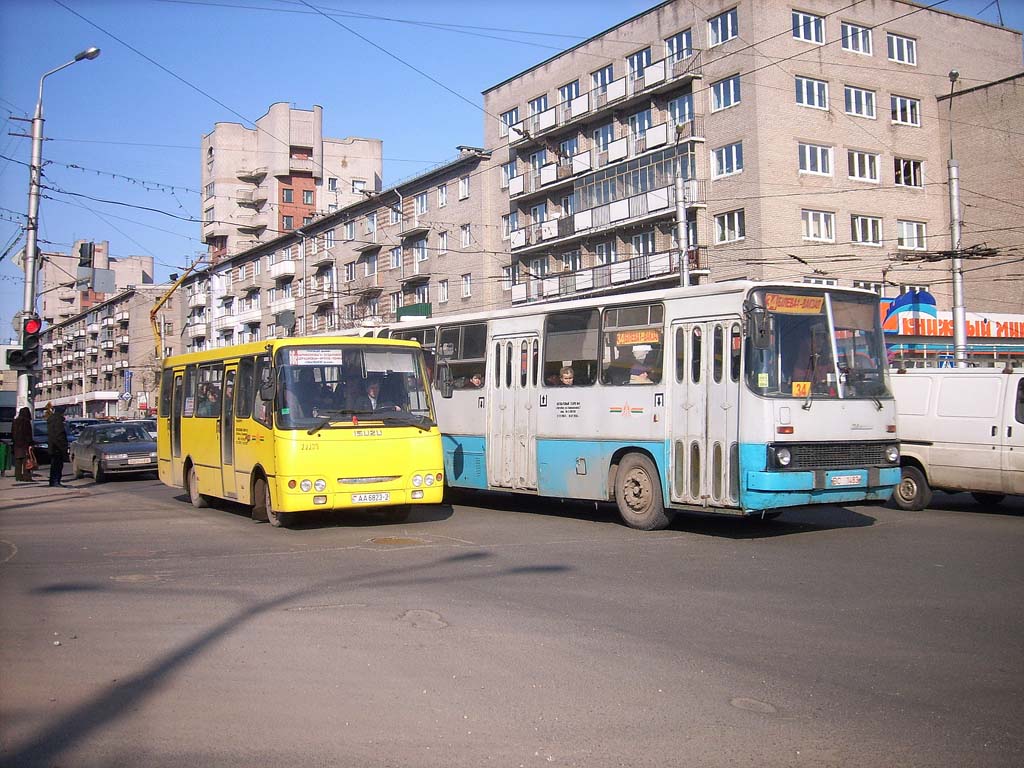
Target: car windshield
pixel 122 433
pixel 39 429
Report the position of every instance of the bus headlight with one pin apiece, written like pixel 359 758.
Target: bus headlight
pixel 305 486
pixel 429 479
pixel 319 485
pixel 417 481
pixel 783 456
pixel 892 454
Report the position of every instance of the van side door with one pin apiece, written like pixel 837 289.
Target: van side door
pixel 1013 436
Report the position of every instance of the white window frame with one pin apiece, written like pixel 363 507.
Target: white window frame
pixel 350 272
pixel 350 230
pixel 423 293
pixel 442 195
pixel 442 243
pixel 727 160
pixel 917 172
pixel 420 203
pixel 811 92
pixel 818 226
pixel 538 105
pixel 866 230
pixel 901 49
pixel 918 235
pixel 466 235
pixel 809 27
pixel 814 159
pixel 859 102
pixel 395 300
pixel 467 285
pixel 370 265
pixel 679 46
pixel 442 291
pixel 396 257
pixel 723 27
pixel 906 110
pixel 857 159
pixel 870 285
pixel 506 278
pixel 463 187
pixel 506 120
pixel 856 38
pixel 730 227
pixel 508 172
pixel 725 93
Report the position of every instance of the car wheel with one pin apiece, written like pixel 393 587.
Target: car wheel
pixel 638 494
pixel 199 500
pixel 912 493
pixel 97 471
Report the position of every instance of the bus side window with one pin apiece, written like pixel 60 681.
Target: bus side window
pixel 243 401
pixel 191 376
pixel 680 354
pixel 735 350
pixel 497 365
pixel 166 386
pixel 262 409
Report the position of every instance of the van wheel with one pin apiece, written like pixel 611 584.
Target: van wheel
pixel 261 492
pixel 989 499
pixel 912 492
pixel 638 493
pixel 199 500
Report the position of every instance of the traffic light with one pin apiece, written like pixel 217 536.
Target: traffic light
pixel 86 252
pixel 27 357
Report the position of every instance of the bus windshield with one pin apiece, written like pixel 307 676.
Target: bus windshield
pixel 349 383
pixel 820 345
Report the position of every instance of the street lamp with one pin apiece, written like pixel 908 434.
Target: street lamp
pixel 32 223
pixel 955 238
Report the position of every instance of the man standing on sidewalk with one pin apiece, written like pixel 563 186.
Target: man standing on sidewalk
pixel 58 438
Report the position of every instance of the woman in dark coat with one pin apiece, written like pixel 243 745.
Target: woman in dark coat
pixel 58 439
pixel 21 436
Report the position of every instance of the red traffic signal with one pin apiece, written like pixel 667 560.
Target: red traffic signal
pixel 32 326
pixel 27 358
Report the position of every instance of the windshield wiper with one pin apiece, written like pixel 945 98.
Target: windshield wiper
pixel 408 419
pixel 331 416
pixel 399 417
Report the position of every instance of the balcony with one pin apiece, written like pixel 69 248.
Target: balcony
pixel 635 272
pixel 80 354
pixel 252 174
pixel 253 197
pixel 321 297
pixel 249 222
pixel 92 373
pixel 244 287
pixel 322 259
pixel 107 322
pixel 107 368
pixel 92 351
pixel 197 330
pixel 251 315
pixel 123 340
pixel 550 175
pixel 282 305
pixel 122 317
pixel 369 243
pixel 224 323
pixel 196 300
pixel 282 269
pixel 107 345
pixel 658 76
pixel 300 164
pixel 93 328
pixel 413 226
pixel 79 333
pixel 121 365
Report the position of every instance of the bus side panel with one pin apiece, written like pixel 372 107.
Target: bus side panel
pixel 254 446
pixel 465 463
pixel 578 469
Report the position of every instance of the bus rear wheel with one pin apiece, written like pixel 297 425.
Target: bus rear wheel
pixel 199 500
pixel 261 494
pixel 638 493
pixel 912 493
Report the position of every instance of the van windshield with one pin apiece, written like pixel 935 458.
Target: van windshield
pixel 821 344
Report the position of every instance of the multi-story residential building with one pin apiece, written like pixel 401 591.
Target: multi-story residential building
pixel 261 183
pixel 61 298
pixel 91 360
pixel 419 246
pixel 809 139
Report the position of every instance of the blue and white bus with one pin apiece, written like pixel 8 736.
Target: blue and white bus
pixel 737 398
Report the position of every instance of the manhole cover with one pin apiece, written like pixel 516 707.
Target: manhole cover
pixel 397 541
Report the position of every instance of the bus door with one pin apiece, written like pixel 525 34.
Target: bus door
pixel 227 433
pixel 177 404
pixel 705 413
pixel 512 412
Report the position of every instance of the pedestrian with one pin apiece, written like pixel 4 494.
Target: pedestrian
pixel 21 435
pixel 58 439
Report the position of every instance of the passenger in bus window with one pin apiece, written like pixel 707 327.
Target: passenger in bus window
pixel 210 405
pixel 639 371
pixel 566 376
pixel 476 381
pixel 372 400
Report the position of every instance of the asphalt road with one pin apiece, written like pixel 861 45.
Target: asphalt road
pixel 137 631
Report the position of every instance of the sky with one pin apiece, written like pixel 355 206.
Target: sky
pixel 125 128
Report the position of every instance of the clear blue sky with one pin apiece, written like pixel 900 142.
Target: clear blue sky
pixel 170 69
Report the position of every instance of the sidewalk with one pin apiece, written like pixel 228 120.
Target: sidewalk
pixel 12 492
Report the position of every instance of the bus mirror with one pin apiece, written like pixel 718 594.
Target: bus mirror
pixel 444 379
pixel 757 328
pixel 268 388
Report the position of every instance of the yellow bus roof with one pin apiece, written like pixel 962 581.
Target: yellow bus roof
pixel 259 347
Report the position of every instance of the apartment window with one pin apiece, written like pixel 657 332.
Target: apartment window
pixel 329 239
pixel 508 172
pixel 722 27
pixel 396 257
pixel 420 203
pixel 680 109
pixel 370 265
pixel 358 186
pixel 372 308
pixel 568 92
pixel 539 267
pixel 208 216
pixel 287 195
pixel 395 301
pixel 599 80
pixel 467 285
pixel 463 187
pixel 730 227
pixel 419 250
pixel 466 235
pixel 901 49
pixel 567 149
pixel 394 214
pixel 809 27
pixel 442 291
pixel 538 159
pixel 307 197
pixel 257 268
pixel 442 196
pixel 307 220
pixel 571 261
pixel 371 222
pixel 866 230
pixel 820 281
pixel 819 226
pixel 506 278
pixel 538 105
pixel 911 287
pixel 679 46
pixel 287 222
pixel 208 190
pixel 856 38
pixel 639 123
pixel 863 166
pixel 604 136
pixel 728 160
pixel 423 294
pixel 637 63
pixel 508 119
pixel 910 235
pixel 725 93
pixel 811 92
pixel 859 101
pixel 604 253
pixel 815 158
pixel 350 230
pixel 350 272
pixel 332 184
pixel 905 110
pixel 508 224
pixel 907 173
pixel 539 213
pixel 868 285
pixel 568 204
pixel 442 243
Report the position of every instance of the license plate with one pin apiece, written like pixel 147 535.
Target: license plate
pixel 139 461
pixel 370 498
pixel 841 480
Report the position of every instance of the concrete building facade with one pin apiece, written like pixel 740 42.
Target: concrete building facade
pixel 810 138
pixel 92 359
pixel 261 183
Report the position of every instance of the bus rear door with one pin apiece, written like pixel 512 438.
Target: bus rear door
pixel 512 413
pixel 227 433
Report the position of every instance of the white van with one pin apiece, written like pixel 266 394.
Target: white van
pixel 960 429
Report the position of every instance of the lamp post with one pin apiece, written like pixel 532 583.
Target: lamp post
pixel 32 223
pixel 955 236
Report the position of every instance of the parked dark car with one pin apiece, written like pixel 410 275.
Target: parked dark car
pixel 41 440
pixel 147 424
pixel 74 426
pixel 113 448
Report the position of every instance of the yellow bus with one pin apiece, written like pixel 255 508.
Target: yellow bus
pixel 299 425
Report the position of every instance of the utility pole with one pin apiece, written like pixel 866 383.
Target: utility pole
pixel 955 237
pixel 682 231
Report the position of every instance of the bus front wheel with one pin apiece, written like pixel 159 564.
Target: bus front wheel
pixel 199 500
pixel 912 493
pixel 638 493
pixel 261 494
